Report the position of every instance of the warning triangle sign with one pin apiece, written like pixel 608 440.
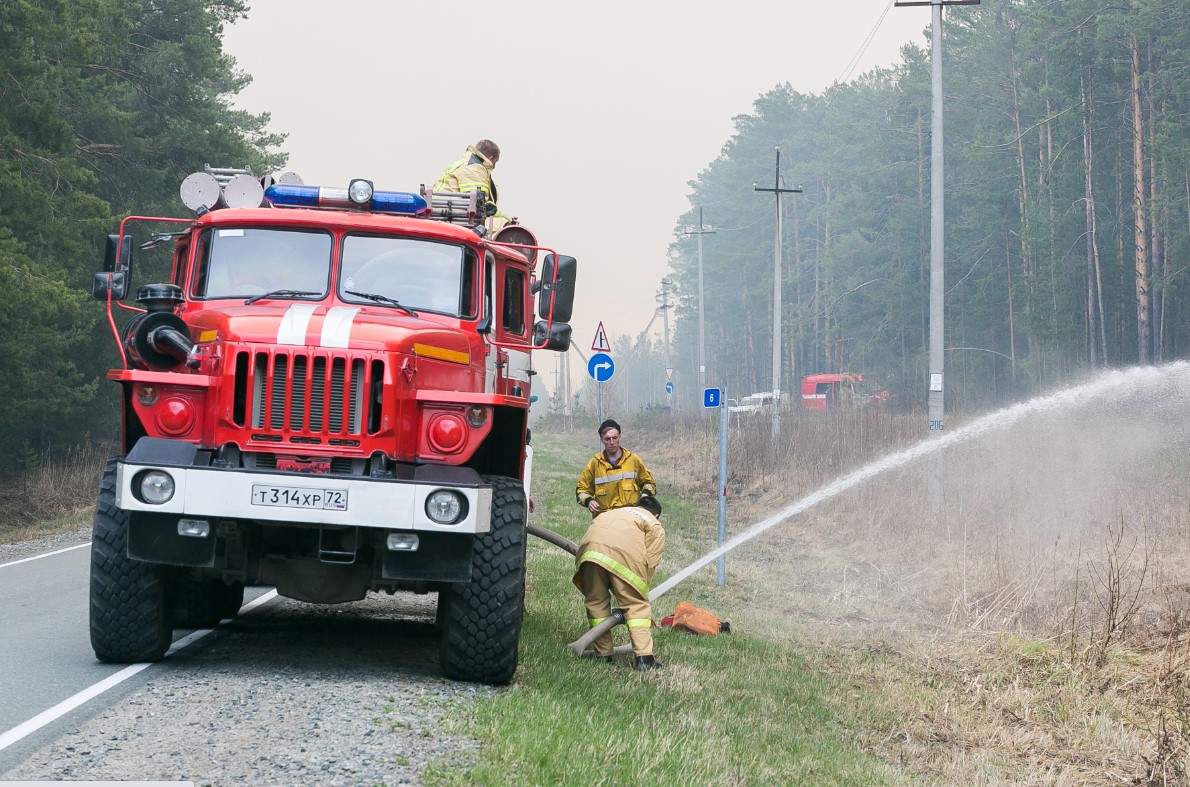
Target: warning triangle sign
pixel 601 344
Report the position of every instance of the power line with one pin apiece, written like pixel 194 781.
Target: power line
pixel 846 75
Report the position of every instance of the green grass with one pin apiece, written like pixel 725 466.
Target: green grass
pixel 731 709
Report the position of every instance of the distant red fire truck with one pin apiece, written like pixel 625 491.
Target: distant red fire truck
pixel 329 395
pixel 823 391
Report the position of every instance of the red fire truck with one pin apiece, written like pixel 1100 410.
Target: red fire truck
pixel 823 391
pixel 329 396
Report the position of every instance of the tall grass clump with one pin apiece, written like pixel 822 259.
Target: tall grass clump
pixel 55 491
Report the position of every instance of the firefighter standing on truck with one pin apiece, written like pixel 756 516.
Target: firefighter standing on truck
pixel 613 478
pixel 473 172
pixel 618 555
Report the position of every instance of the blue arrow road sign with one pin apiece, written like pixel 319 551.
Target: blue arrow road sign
pixel 669 386
pixel 711 397
pixel 601 367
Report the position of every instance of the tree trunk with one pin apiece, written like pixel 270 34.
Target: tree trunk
pixel 1144 328
pixel 1096 316
pixel 1027 262
pixel 1011 312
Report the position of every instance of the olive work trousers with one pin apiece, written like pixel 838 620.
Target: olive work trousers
pixel 598 586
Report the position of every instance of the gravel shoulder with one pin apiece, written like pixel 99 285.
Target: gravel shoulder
pixel 36 546
pixel 290 693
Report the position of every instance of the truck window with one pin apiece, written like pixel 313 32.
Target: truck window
pixel 240 263
pixel 513 309
pixel 181 254
pixel 418 274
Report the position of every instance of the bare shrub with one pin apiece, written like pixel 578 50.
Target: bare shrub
pixel 57 485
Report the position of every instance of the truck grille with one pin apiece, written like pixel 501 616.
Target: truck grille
pixel 308 398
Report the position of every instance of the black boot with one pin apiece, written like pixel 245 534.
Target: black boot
pixel 646 662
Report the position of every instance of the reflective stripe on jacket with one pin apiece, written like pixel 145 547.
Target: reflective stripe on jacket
pixel 614 487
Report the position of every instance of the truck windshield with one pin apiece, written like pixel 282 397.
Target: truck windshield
pixel 241 263
pixel 418 274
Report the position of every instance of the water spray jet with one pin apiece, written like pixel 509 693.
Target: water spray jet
pixel 1131 378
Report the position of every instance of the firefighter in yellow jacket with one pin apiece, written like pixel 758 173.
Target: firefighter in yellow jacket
pixel 614 477
pixel 618 555
pixel 473 172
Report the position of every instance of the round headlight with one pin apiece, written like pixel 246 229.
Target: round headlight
pixel 360 192
pixel 477 416
pixel 156 487
pixel 445 506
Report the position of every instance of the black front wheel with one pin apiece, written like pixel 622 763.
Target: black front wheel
pixel 130 611
pixel 481 620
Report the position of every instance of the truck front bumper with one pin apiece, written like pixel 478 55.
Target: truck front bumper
pixel 201 491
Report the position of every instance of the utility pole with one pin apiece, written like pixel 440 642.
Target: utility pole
pixel 937 389
pixel 702 337
pixel 665 326
pixel 778 191
pixel 665 318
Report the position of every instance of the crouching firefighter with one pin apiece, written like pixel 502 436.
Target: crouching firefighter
pixel 617 556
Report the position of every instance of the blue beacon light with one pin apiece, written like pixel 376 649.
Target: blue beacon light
pixel 291 195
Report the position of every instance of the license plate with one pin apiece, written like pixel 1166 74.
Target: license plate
pixel 299 497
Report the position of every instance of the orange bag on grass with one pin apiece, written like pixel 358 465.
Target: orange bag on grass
pixel 697 620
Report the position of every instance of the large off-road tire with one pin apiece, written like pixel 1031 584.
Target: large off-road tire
pixel 481 620
pixel 130 611
pixel 202 603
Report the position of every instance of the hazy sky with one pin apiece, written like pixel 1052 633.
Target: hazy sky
pixel 603 112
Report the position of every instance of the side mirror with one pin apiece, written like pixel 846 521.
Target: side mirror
pixel 557 288
pixel 115 283
pixel 554 336
pixel 124 263
pixel 117 270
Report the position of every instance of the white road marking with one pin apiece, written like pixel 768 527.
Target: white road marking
pixel 34 724
pixel 47 554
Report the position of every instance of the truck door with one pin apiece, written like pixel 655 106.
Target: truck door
pixel 512 327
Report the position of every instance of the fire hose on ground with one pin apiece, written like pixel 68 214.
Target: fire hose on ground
pixel 580 645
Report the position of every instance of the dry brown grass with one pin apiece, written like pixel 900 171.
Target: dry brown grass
pixel 58 495
pixel 1034 628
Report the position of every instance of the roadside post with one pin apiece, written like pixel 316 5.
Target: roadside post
pixel 716 397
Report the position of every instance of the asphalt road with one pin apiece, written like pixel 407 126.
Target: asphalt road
pixel 287 693
pixel 45 646
pixel 46 649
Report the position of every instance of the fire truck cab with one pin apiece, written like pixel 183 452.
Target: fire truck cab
pixel 821 392
pixel 330 396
